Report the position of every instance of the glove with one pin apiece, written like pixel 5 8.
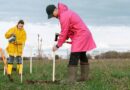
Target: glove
pixel 12 39
pixel 55 48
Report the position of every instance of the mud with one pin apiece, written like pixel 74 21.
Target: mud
pixel 42 82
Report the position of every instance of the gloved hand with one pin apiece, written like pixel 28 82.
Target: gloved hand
pixel 12 38
pixel 55 48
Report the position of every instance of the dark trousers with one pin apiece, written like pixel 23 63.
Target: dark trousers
pixel 75 57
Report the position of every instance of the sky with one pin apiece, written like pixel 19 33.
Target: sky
pixel 108 20
pixel 93 12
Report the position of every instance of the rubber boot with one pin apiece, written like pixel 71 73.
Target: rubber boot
pixel 20 69
pixel 84 72
pixel 72 73
pixel 9 71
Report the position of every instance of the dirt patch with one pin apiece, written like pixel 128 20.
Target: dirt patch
pixel 42 82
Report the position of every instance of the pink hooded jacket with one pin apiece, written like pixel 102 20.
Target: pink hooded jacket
pixel 74 28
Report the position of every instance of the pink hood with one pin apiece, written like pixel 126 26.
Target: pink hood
pixel 61 8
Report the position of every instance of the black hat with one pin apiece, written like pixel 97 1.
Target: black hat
pixel 49 10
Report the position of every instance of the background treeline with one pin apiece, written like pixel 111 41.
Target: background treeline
pixel 113 55
pixel 105 55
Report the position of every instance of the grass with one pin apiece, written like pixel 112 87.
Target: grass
pixel 111 74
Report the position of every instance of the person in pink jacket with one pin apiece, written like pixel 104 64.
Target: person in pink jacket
pixel 74 28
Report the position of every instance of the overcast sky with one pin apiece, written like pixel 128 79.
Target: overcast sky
pixel 108 20
pixel 93 12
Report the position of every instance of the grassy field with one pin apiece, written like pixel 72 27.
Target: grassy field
pixel 105 75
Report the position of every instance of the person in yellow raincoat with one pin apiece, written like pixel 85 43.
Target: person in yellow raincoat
pixel 16 37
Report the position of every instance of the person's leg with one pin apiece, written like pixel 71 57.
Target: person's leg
pixel 72 68
pixel 84 66
pixel 19 64
pixel 83 58
pixel 10 66
pixel 74 59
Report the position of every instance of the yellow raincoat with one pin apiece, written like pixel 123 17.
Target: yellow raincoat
pixel 16 48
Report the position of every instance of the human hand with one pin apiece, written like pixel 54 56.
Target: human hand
pixel 55 48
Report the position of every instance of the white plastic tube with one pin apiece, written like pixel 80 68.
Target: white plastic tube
pixel 53 73
pixel 31 62
pixel 22 71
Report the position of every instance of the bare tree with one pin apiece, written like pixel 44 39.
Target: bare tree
pixel 39 48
